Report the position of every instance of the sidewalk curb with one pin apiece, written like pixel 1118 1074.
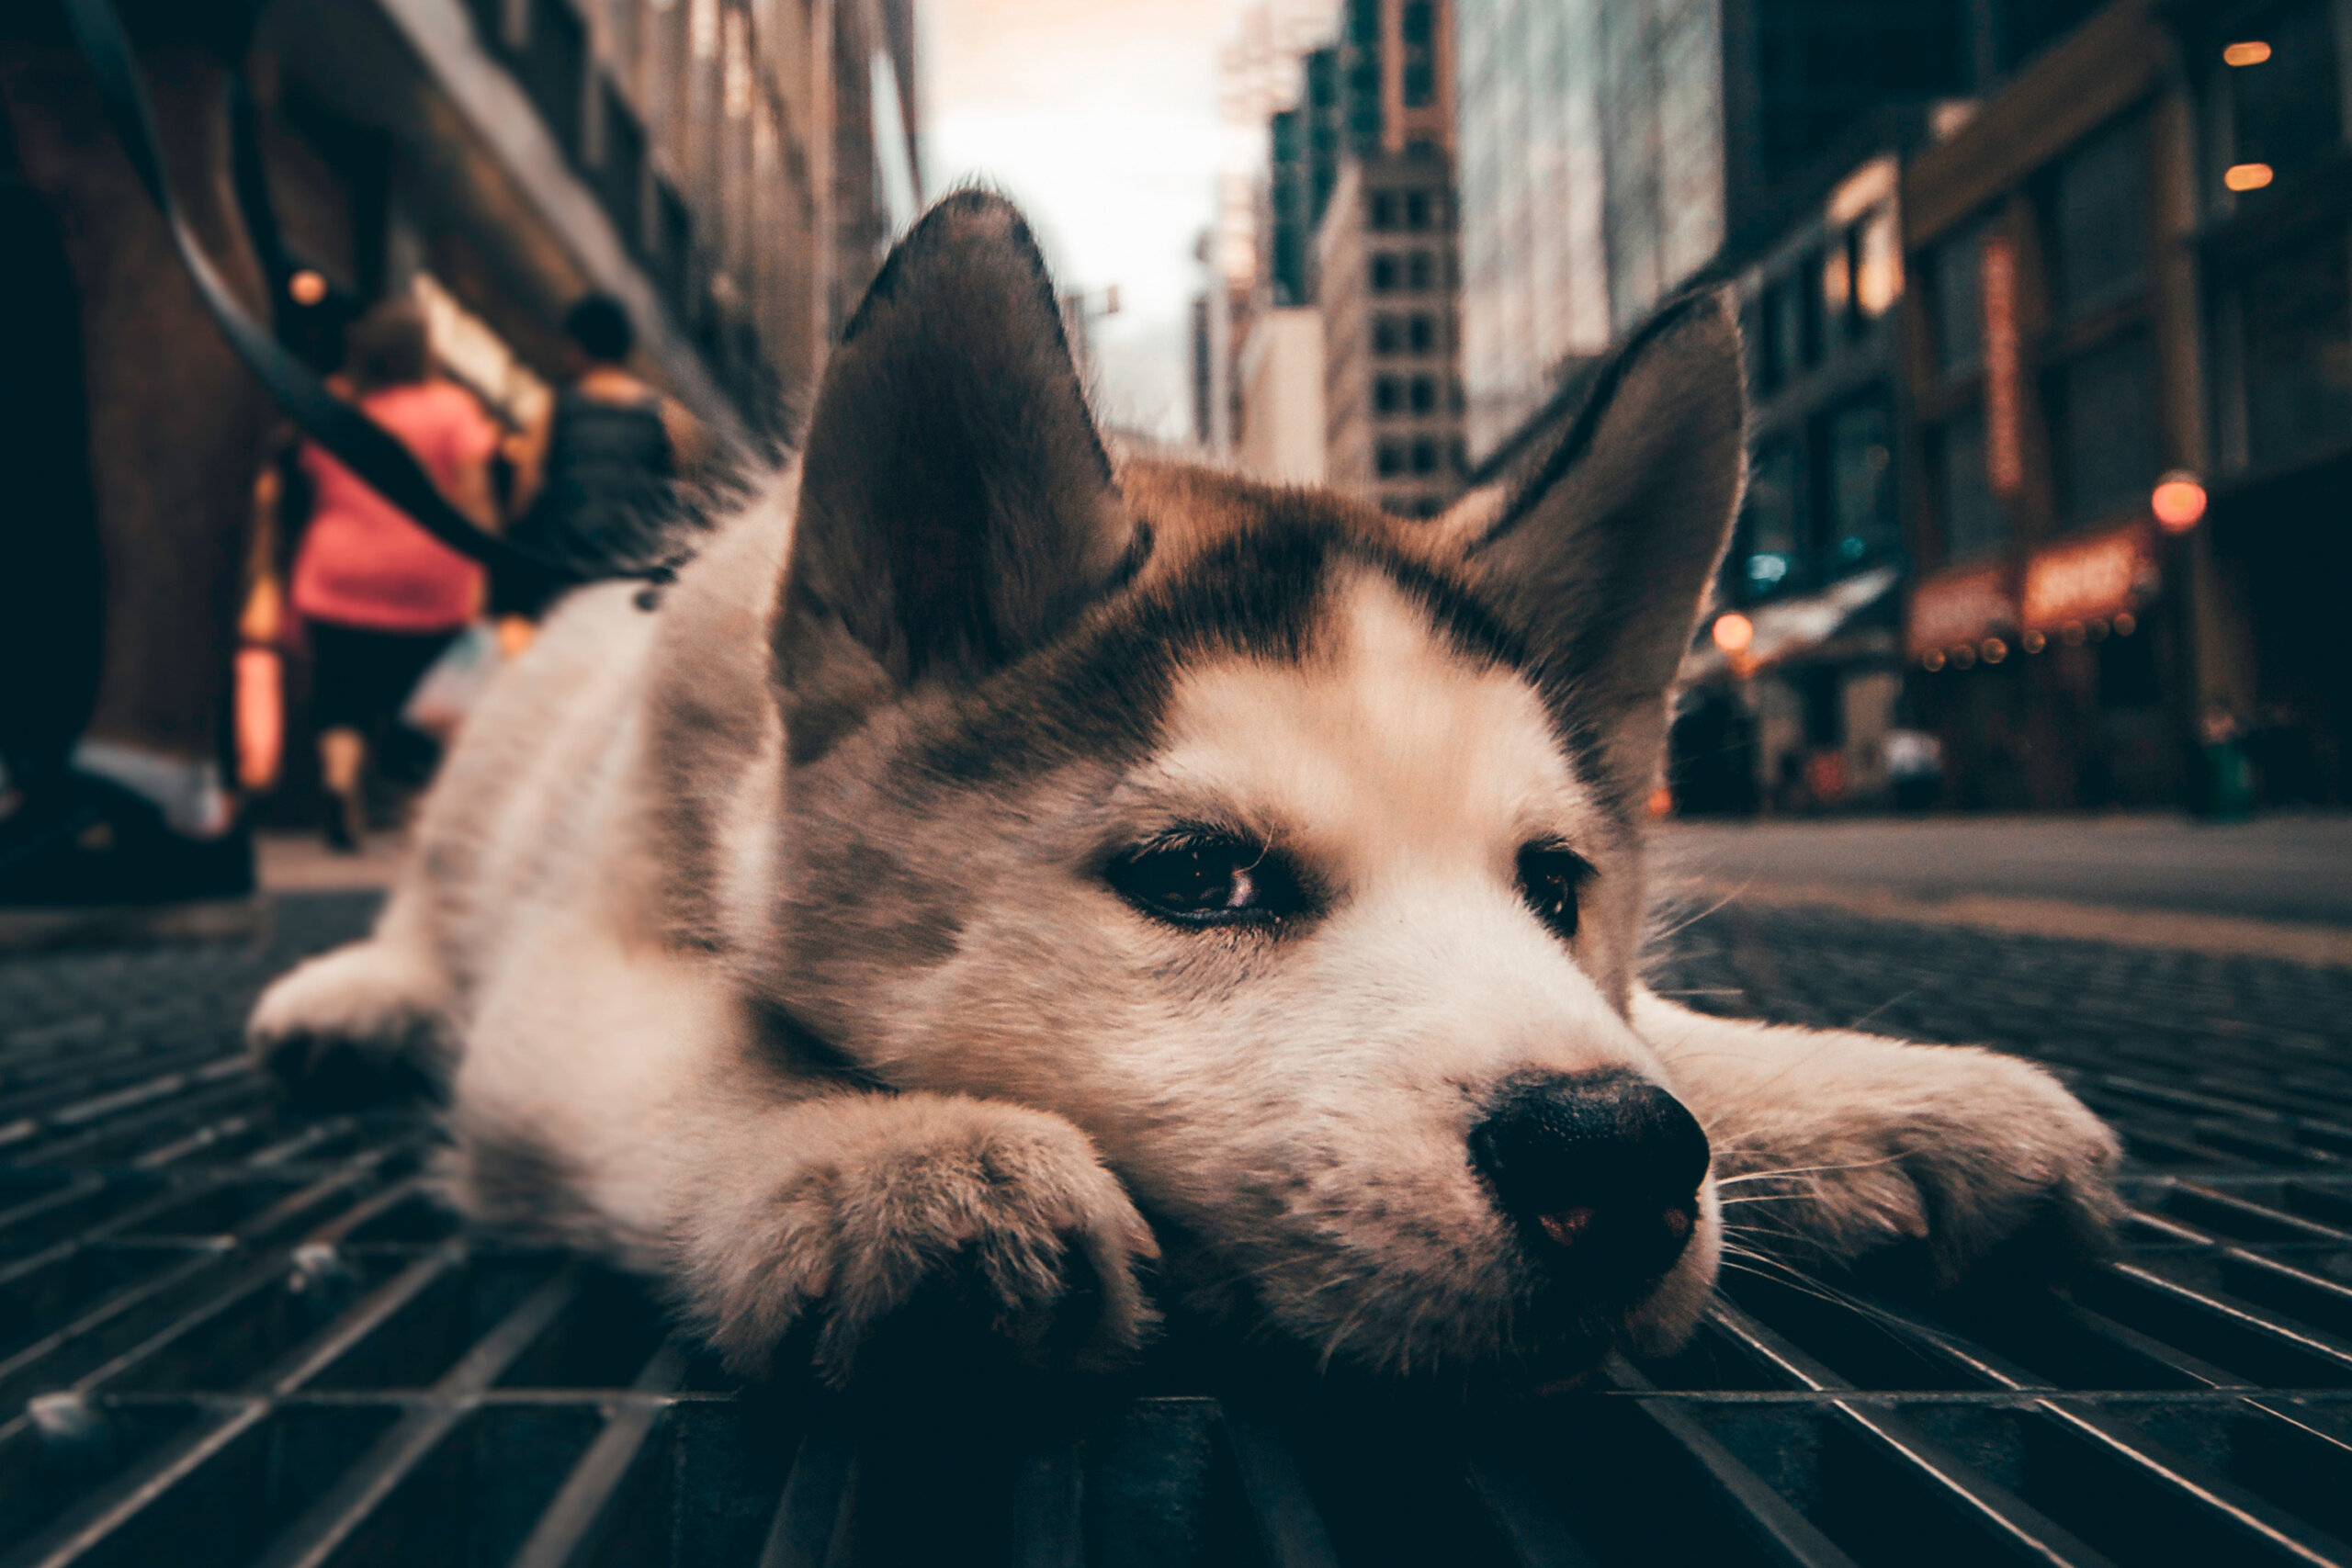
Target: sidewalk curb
pixel 2225 934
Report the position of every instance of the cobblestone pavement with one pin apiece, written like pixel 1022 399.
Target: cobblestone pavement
pixel 230 1334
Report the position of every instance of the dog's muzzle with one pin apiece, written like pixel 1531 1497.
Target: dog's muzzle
pixel 1601 1171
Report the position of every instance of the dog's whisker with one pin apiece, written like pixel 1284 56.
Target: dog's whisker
pixel 1806 1170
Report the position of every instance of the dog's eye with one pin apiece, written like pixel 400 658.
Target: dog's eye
pixel 1208 881
pixel 1549 879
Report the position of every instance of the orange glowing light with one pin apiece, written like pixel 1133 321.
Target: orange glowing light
pixel 1993 651
pixel 2125 625
pixel 2246 176
pixel 1661 802
pixel 1932 661
pixel 1734 633
pixel 2034 642
pixel 2179 503
pixel 2252 53
pixel 260 718
pixel 307 287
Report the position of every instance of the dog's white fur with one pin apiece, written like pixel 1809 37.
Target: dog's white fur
pixel 1019 1095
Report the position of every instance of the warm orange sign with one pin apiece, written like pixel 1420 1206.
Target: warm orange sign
pixel 2088 580
pixel 1958 609
pixel 2004 368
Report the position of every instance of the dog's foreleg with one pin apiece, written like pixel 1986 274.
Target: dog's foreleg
pixel 1830 1143
pixel 364 1021
pixel 844 1209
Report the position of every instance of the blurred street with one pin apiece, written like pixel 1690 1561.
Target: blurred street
pixel 2285 868
pixel 2273 887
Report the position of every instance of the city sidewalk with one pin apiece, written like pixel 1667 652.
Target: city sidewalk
pixel 299 862
pixel 2280 886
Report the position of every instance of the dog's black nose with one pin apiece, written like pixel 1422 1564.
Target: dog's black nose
pixel 1605 1165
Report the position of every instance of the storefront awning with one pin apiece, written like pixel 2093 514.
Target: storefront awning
pixel 1793 626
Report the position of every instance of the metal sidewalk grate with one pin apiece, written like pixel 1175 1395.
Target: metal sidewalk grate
pixel 229 1335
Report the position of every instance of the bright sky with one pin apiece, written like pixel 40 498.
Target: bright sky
pixel 1100 116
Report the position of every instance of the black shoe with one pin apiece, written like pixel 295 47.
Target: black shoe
pixel 340 839
pixel 84 841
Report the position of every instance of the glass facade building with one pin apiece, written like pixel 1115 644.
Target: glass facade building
pixel 1534 267
pixel 1590 142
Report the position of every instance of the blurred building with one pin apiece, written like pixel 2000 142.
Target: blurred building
pixel 2053 375
pixel 2268 178
pixel 1392 414
pixel 1610 152
pixel 1799 716
pixel 1359 229
pixel 729 170
pixel 1281 377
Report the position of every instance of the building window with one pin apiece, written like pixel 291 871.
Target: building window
pixel 1384 273
pixel 1386 394
pixel 1958 265
pixel 1838 286
pixel 1424 457
pixel 2103 413
pixel 1974 523
pixel 1421 271
pixel 2098 220
pixel 1383 209
pixel 2298 311
pixel 1387 334
pixel 1421 334
pixel 1420 31
pixel 1771 517
pixel 1861 480
pixel 1391 458
pixel 1424 394
pixel 2284 112
pixel 1417 210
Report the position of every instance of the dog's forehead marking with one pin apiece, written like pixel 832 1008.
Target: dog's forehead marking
pixel 1387 746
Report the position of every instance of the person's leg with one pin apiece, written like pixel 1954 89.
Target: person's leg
pixel 174 422
pixel 344 700
pixel 343 770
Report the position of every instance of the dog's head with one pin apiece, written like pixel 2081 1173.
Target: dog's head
pixel 1290 850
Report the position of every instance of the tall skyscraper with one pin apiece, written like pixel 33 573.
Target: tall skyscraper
pixel 1611 149
pixel 1360 228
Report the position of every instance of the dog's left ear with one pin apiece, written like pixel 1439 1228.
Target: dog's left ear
pixel 956 506
pixel 1602 557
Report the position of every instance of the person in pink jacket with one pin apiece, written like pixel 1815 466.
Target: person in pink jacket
pixel 380 597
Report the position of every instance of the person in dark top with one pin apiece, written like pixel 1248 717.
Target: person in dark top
pixel 597 477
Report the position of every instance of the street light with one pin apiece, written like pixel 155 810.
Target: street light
pixel 2178 501
pixel 1733 632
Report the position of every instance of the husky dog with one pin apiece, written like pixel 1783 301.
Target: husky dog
pixel 993 864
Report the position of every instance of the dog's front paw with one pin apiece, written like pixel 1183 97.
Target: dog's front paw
pixel 1949 1150
pixel 353 1027
pixel 941 1221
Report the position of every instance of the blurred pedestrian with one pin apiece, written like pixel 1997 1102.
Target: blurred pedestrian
pixel 597 477
pixel 380 598
pixel 1914 768
pixel 129 439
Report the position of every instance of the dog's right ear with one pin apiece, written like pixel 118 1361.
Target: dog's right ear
pixel 956 506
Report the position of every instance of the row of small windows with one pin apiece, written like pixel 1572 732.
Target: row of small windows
pixel 1404 335
pixel 1406 394
pixel 1427 455
pixel 1406 209
pixel 1411 269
